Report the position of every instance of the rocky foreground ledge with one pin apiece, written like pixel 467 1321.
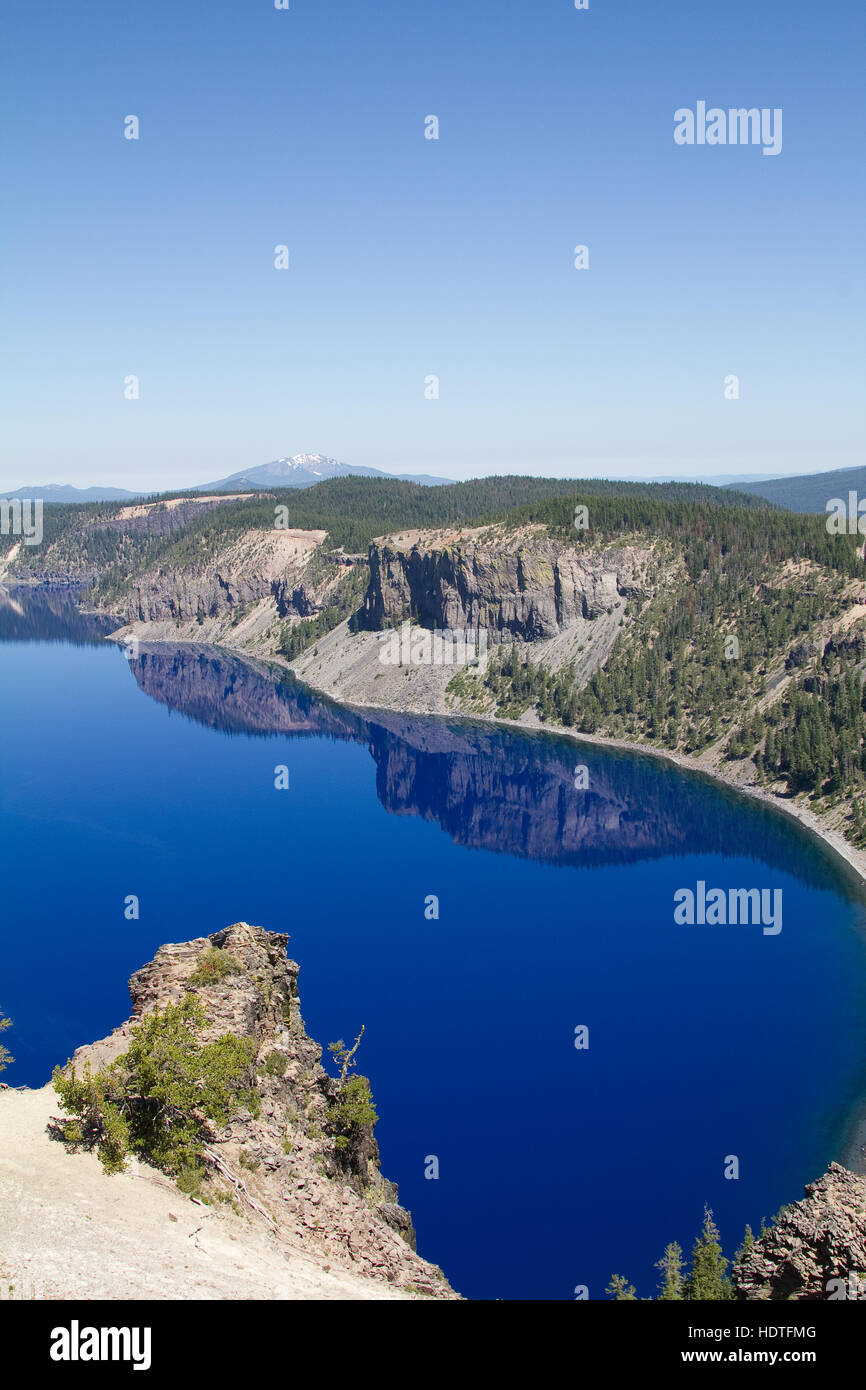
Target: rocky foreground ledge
pixel 815 1249
pixel 306 1217
pixel 302 1216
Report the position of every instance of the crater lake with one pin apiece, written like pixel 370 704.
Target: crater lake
pixel 581 1065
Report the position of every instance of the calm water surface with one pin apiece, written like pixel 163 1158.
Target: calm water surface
pixel 557 1166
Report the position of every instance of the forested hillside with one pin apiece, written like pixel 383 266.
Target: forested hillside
pixel 812 491
pixel 743 651
pixel 92 541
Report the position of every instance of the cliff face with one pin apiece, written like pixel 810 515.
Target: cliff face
pixel 256 566
pixel 154 519
pixel 521 586
pixel 817 1248
pixel 293 1178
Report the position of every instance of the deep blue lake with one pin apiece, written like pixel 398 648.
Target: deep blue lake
pixel 558 1166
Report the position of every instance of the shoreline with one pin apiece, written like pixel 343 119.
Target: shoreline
pixel 850 1146
pixel 854 859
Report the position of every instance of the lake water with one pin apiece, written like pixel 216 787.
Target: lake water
pixel 558 1166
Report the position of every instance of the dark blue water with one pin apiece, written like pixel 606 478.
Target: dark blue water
pixel 558 1167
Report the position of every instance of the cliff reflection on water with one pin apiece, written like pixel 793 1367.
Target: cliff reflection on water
pixel 47 614
pixel 491 787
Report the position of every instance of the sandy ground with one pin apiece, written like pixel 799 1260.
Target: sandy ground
pixel 143 508
pixel 68 1231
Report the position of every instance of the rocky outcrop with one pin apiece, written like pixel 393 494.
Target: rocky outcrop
pixel 802 653
pixel 285 1169
pixel 155 519
pixel 295 600
pixel 257 566
pixel 816 1249
pixel 523 586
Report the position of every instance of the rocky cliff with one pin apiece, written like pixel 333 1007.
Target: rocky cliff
pixel 283 1167
pixel 165 518
pixel 816 1249
pixel 255 566
pixel 521 585
pixel 239 592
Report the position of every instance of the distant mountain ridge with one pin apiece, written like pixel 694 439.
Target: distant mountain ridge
pixel 804 493
pixel 810 492
pixel 298 470
pixel 63 492
pixel 305 470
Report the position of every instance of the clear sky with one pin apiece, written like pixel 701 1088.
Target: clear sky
pixel 411 257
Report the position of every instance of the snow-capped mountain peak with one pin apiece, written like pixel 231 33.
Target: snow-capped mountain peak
pixel 301 470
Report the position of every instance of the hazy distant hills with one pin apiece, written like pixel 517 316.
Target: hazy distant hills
pixel 61 492
pixel 737 480
pixel 304 470
pixel 809 493
pixel 301 470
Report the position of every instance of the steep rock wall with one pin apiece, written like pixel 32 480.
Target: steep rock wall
pixel 524 586
pixel 257 566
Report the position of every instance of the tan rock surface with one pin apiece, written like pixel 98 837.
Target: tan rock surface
pixel 309 1219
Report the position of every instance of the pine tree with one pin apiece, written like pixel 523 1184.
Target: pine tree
pixel 707 1277
pixel 748 1242
pixel 621 1290
pixel 671 1266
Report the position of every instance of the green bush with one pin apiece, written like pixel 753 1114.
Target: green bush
pixel 352 1112
pixel 162 1098
pixel 274 1064
pixel 5 1056
pixel 212 966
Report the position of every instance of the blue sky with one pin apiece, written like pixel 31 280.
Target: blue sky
pixel 412 257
